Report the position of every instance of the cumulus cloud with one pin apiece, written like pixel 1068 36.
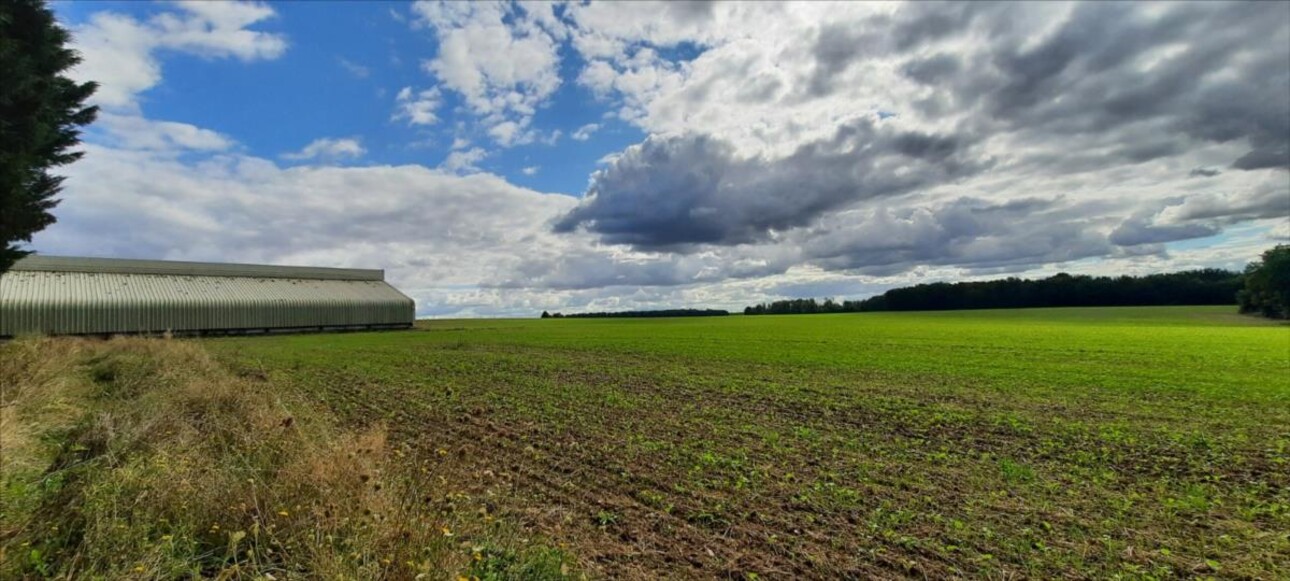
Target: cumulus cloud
pixel 508 133
pixel 431 229
pixel 968 107
pixel 669 192
pixel 461 245
pixel 119 51
pixel 417 108
pixel 606 29
pixel 502 58
pixel 328 149
pixel 1265 199
pixel 962 232
pixel 585 132
pixel 583 265
pixel 1137 231
pixel 134 132
pixel 771 77
pixel 463 160
pixel 792 149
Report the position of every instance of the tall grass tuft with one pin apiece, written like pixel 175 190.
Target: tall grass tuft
pixel 146 458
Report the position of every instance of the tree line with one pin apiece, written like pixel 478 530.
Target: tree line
pixel 1267 285
pixel 1192 287
pixel 640 314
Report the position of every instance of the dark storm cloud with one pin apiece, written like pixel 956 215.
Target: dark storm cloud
pixel 1185 72
pixel 1190 73
pixel 836 48
pixel 686 10
pixel 1269 200
pixel 1201 215
pixel 920 23
pixel 1263 158
pixel 672 192
pixel 966 232
pixel 1111 85
pixel 931 70
pixel 1140 231
pixel 839 45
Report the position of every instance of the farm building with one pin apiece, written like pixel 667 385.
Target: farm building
pixel 62 295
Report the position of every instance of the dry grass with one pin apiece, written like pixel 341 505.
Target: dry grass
pixel 148 459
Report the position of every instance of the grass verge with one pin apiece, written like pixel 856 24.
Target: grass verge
pixel 149 459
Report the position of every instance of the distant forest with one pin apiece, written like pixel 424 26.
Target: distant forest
pixel 1192 287
pixel 640 314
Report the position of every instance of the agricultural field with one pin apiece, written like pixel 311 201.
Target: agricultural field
pixel 1150 442
pixel 1140 443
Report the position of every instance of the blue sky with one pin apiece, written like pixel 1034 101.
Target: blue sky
pixel 345 64
pixel 501 158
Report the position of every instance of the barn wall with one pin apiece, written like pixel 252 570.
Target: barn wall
pixel 77 301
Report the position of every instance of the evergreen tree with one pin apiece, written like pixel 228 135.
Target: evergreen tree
pixel 41 111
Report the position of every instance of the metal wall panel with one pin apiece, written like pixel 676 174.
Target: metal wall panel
pixel 45 263
pixel 72 302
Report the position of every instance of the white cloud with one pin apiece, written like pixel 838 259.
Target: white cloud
pixel 737 87
pixel 508 133
pixel 328 149
pixel 417 108
pixel 1280 231
pixel 604 29
pixel 355 69
pixel 502 58
pixel 585 132
pixel 794 149
pixel 119 51
pixel 470 245
pixel 134 132
pixel 439 236
pixel 463 161
pixel 219 29
pixel 1102 110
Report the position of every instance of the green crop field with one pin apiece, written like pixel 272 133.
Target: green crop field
pixel 1130 442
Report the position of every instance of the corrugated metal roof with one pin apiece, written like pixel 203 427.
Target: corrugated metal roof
pixel 131 266
pixel 64 297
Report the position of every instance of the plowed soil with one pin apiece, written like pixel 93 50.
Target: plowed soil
pixel 1135 442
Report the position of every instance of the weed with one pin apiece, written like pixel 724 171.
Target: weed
pixel 606 518
pixel 1015 472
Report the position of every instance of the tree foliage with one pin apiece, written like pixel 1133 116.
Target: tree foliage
pixel 1192 287
pixel 640 314
pixel 41 111
pixel 1267 284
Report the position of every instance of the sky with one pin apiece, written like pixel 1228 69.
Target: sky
pixel 500 159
